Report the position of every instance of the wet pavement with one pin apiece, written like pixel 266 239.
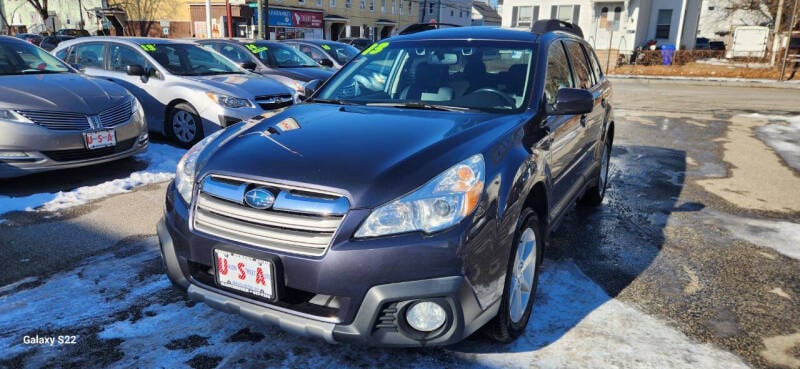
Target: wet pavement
pixel 692 261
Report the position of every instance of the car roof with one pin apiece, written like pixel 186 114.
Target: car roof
pixel 479 33
pixel 315 42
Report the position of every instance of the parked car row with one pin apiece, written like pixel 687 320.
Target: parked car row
pixel 182 89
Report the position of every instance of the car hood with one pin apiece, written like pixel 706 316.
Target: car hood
pixel 71 92
pixel 370 154
pixel 241 85
pixel 305 74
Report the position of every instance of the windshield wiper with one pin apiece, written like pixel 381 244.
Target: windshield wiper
pixel 36 71
pixel 421 106
pixel 332 101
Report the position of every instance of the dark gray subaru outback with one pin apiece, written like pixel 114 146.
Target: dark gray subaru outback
pixel 407 202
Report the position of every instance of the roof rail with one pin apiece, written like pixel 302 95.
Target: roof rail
pixel 419 27
pixel 549 25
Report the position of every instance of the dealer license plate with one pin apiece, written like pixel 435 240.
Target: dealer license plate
pixel 244 273
pixel 100 139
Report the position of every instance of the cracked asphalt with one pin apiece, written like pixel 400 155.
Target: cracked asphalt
pixel 692 261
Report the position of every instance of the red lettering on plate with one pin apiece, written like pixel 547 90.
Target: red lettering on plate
pixel 260 277
pixel 222 265
pixel 109 137
pixel 242 272
pixel 89 139
pixel 99 139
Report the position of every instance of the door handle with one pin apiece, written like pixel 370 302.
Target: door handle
pixel 603 102
pixel 583 120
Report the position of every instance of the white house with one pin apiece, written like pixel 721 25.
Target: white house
pixel 484 15
pixel 63 14
pixel 718 18
pixel 457 12
pixel 617 25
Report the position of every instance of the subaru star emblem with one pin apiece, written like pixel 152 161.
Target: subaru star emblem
pixel 259 198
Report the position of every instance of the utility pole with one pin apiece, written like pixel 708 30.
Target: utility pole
pixel 776 34
pixel 80 11
pixel 208 19
pixel 786 49
pixel 261 15
pixel 228 17
pixel 266 21
pixel 681 20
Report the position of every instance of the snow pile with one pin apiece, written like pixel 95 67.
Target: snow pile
pixel 162 160
pixel 783 137
pixel 574 325
pixel 781 236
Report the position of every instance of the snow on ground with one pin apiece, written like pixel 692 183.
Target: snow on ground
pixel 781 236
pixel 144 323
pixel 162 160
pixel 783 137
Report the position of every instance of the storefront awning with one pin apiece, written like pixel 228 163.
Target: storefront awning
pixel 335 18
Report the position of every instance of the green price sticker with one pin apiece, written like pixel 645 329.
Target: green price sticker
pixel 326 47
pixel 255 49
pixel 375 49
pixel 148 47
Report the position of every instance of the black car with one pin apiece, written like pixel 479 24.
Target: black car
pixel 50 42
pixel 272 59
pixel 716 45
pixel 408 201
pixel 327 53
pixel 357 42
pixel 73 32
pixel 702 43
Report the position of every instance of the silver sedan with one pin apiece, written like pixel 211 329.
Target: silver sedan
pixel 53 117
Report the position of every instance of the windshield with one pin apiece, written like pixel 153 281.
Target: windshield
pixel 190 60
pixel 341 52
pixel 437 75
pixel 280 56
pixel 24 58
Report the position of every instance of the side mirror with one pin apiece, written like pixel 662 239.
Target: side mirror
pixel 138 70
pixel 135 70
pixel 311 87
pixel 248 66
pixel 325 62
pixel 77 66
pixel 572 101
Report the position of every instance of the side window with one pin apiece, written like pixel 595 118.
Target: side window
pixel 579 66
pixel 62 54
pixel 89 55
pixel 121 56
pixel 595 63
pixel 233 53
pixel 558 73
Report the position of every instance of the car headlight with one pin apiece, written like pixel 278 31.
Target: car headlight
pixel 187 167
pixel 230 101
pixel 136 106
pixel 12 116
pixel 441 203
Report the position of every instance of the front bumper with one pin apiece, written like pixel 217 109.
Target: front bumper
pixel 371 299
pixel 47 149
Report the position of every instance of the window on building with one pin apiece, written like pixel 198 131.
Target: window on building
pixel 524 16
pixel 617 17
pixel 394 5
pixel 348 4
pixel 452 13
pixel 372 5
pixel 604 18
pixel 558 73
pixel 363 4
pixel 319 3
pixel 383 6
pixel 663 23
pixel 566 13
pixel 301 2
pixel 430 8
pixel 332 3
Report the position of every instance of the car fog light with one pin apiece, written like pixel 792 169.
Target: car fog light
pixel 426 316
pixel 144 138
pixel 13 155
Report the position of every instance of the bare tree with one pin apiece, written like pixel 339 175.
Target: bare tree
pixel 142 12
pixel 41 8
pixel 766 7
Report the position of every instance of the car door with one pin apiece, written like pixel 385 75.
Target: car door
pixel 584 78
pixel 601 92
pixel 564 130
pixel 119 57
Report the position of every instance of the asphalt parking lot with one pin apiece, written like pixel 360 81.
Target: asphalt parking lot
pixel 692 261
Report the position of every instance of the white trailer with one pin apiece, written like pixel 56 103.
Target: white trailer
pixel 749 42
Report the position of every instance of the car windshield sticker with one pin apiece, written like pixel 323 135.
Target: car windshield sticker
pixel 375 48
pixel 255 49
pixel 326 47
pixel 148 47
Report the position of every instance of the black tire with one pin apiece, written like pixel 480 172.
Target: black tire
pixel 503 328
pixel 184 125
pixel 594 195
